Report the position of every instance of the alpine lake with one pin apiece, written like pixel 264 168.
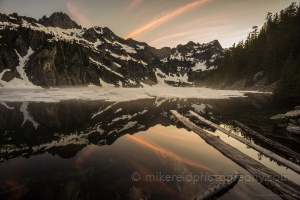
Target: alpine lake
pixel 110 144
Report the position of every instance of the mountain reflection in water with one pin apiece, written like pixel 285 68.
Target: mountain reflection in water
pixel 90 149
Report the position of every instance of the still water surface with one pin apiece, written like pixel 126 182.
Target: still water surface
pixel 127 150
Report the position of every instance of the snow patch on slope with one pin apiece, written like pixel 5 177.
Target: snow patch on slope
pixel 118 65
pixel 161 77
pixel 128 49
pixel 199 66
pixel 120 83
pixel 24 81
pixel 12 18
pixel 140 46
pixel 119 110
pixel 96 44
pixel 122 57
pixel 107 68
pixel 99 32
pixel 106 85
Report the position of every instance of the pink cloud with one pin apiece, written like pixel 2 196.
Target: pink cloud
pixel 73 9
pixel 202 34
pixel 166 17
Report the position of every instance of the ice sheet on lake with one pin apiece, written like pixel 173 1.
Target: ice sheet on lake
pixel 113 94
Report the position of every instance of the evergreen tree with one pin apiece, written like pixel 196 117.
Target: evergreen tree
pixel 273 50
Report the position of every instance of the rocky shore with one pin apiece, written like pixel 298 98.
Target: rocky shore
pixel 260 85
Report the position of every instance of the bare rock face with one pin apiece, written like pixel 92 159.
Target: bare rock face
pixel 8 59
pixel 90 35
pixel 10 75
pixel 21 45
pixel 161 53
pixel 59 19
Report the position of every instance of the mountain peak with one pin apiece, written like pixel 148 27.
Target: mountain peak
pixel 59 19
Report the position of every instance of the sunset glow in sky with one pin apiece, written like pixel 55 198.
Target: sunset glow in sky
pixel 159 23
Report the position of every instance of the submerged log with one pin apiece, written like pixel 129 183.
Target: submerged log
pixel 269 141
pixel 285 188
pixel 219 189
pixel 262 150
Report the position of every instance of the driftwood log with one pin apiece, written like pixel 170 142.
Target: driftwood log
pixel 262 150
pixel 219 189
pixel 285 188
pixel 269 141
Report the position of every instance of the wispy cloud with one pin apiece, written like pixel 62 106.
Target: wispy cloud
pixel 166 17
pixel 184 37
pixel 133 4
pixel 73 9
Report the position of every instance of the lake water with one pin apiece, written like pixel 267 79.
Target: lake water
pixel 91 143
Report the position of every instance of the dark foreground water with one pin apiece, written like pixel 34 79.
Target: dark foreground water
pixel 131 150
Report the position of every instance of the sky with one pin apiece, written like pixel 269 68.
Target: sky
pixel 159 23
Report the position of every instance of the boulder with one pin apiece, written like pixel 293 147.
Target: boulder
pixel 293 114
pixel 293 129
pixel 279 116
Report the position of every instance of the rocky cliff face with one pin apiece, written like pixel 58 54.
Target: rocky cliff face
pixel 59 19
pixel 56 51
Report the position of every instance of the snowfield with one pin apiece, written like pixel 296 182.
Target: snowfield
pixel 22 82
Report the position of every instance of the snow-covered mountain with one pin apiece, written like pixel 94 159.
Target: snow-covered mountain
pixel 56 52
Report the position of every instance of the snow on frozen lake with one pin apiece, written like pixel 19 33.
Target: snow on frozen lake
pixel 113 94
